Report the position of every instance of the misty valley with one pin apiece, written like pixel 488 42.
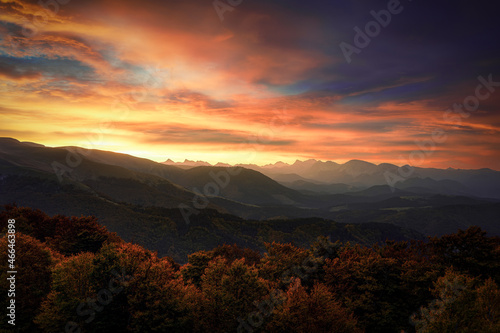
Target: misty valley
pixel 191 247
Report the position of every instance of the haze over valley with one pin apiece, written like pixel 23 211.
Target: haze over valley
pixel 122 190
pixel 281 166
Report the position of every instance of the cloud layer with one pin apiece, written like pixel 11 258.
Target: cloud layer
pixel 169 79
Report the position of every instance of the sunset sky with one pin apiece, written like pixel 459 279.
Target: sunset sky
pixel 254 82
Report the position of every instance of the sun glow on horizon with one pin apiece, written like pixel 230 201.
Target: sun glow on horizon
pixel 169 79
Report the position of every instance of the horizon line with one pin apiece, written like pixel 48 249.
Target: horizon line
pixel 187 160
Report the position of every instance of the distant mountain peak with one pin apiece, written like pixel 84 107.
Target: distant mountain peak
pixel 280 163
pixel 310 161
pixel 32 144
pixel 6 139
pixel 358 162
pixel 187 163
pixel 225 165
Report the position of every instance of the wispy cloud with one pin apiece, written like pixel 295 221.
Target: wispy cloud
pixel 202 88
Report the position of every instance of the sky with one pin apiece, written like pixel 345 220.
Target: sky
pixel 239 81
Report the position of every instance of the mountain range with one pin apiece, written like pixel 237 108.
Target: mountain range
pixel 127 193
pixel 354 175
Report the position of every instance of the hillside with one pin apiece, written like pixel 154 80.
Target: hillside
pixel 65 263
pixel 482 183
pixel 108 184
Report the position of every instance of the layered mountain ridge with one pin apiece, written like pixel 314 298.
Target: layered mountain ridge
pixel 122 190
pixel 332 177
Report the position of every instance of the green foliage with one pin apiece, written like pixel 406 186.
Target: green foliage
pixel 463 304
pixel 229 291
pixel 195 268
pixel 71 286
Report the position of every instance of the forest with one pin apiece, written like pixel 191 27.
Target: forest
pixel 73 275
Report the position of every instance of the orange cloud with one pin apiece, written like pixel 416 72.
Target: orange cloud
pixel 173 81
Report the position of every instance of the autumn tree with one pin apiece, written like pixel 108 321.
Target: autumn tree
pixel 71 290
pixel 235 252
pixel 282 262
pixel 469 251
pixel 89 291
pixel 229 293
pixel 317 311
pixel 195 268
pixel 33 263
pixel 29 221
pixel 161 302
pixel 198 261
pixel 369 285
pixel 462 304
pixel 416 277
pixel 63 234
pixel 314 266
